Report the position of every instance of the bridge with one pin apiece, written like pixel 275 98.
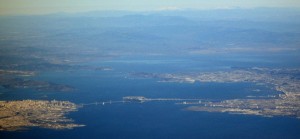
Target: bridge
pixel 144 99
pixel 140 99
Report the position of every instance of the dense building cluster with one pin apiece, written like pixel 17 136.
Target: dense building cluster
pixel 284 80
pixel 17 115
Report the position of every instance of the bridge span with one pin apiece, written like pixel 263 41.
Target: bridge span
pixel 140 99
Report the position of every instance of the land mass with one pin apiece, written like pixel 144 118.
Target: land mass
pixel 17 115
pixel 11 79
pixel 284 80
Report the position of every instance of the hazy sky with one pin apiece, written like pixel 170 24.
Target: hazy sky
pixel 52 6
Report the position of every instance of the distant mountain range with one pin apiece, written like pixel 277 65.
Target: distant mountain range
pixel 170 32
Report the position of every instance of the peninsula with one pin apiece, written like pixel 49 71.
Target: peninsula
pixel 18 115
pixel 286 81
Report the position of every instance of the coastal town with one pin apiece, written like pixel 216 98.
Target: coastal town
pixel 285 81
pixel 18 115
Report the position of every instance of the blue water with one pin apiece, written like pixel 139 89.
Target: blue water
pixel 151 120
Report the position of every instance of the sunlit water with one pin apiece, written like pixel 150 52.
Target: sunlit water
pixel 152 119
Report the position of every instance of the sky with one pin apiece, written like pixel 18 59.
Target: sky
pixel 14 7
